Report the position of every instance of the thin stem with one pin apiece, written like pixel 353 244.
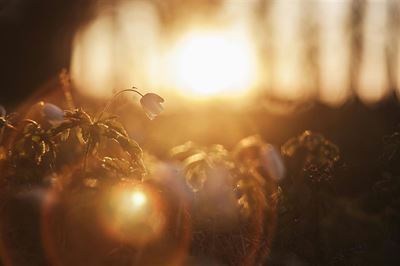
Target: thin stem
pixel 87 149
pixel 133 89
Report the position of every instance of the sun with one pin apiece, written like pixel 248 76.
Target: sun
pixel 209 64
pixel 138 199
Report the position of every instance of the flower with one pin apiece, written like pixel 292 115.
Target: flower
pixel 52 113
pixel 151 104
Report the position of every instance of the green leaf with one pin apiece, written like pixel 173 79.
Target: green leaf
pixel 119 165
pixel 117 126
pixel 64 135
pixel 195 160
pixel 29 128
pixel 78 115
pixel 130 146
pixel 65 126
pixel 83 134
pixel 40 150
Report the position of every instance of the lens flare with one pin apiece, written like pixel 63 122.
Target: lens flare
pixel 134 214
pixel 124 223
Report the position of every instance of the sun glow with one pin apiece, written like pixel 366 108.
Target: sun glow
pixel 205 64
pixel 138 199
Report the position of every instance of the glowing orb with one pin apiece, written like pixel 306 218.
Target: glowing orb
pixel 213 64
pixel 133 213
pixel 138 199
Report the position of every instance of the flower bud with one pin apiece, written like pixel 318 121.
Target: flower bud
pixel 151 104
pixel 52 113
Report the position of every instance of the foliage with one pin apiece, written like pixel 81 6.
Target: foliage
pixel 311 161
pixel 6 122
pixel 42 149
pixel 92 132
pixel 36 144
pixel 254 190
pixel 198 165
pixel 314 155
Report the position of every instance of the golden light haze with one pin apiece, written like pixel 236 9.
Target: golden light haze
pixel 296 50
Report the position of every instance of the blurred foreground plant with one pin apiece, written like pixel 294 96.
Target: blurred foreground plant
pixel 312 154
pixel 386 190
pixel 33 151
pixel 235 190
pixel 6 122
pixel 312 162
pixel 199 161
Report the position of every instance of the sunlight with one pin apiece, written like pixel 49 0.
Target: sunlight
pixel 138 199
pixel 206 64
pixel 227 56
pixel 91 62
pixel 334 67
pixel 373 83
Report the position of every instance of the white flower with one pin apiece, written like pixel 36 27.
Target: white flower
pixel 52 113
pixel 151 104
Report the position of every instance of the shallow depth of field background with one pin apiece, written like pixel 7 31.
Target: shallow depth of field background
pixel 198 50
pixel 294 50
